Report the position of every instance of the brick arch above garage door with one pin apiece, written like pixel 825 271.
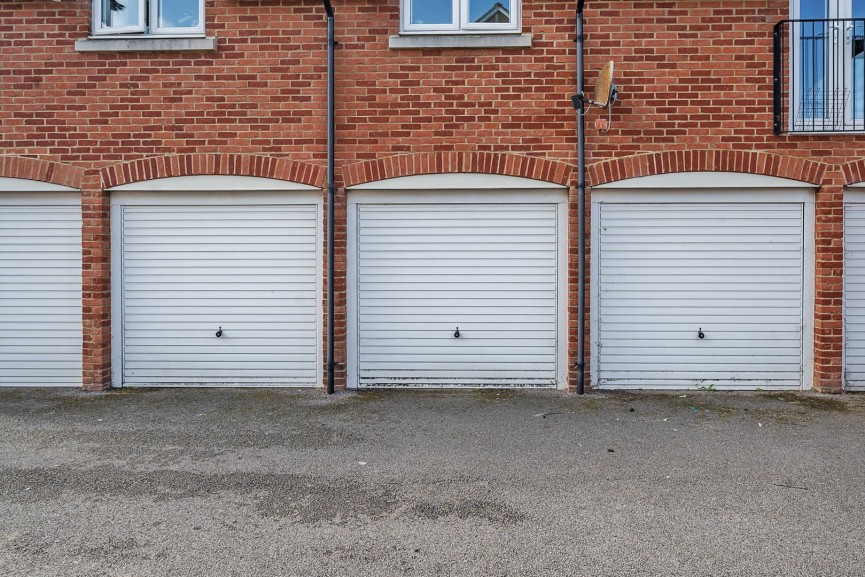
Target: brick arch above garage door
pixel 854 172
pixel 459 162
pixel 40 170
pixel 790 167
pixel 213 164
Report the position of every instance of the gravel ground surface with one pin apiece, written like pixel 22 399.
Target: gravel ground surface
pixel 255 482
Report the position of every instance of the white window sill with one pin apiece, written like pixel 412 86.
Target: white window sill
pixel 146 44
pixel 460 41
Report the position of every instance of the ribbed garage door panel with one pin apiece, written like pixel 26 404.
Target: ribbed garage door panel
pixel 854 296
pixel 424 270
pixel 733 271
pixel 251 270
pixel 40 295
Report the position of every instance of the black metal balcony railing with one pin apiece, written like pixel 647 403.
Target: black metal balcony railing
pixel 819 75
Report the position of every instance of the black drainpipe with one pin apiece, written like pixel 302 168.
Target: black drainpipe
pixel 331 192
pixel 581 208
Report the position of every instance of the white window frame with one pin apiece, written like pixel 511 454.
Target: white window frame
pixel 148 13
pixel 460 21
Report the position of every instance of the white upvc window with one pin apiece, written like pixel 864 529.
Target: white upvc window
pixel 459 16
pixel 154 17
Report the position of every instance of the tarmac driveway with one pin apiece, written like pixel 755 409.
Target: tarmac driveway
pixel 267 482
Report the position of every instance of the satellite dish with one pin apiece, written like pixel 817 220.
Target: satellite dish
pixel 606 94
pixel 606 91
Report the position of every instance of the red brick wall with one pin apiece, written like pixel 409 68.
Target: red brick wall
pixel 465 100
pixel 259 92
pixel 693 76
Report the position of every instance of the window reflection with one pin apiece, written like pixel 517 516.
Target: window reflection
pixel 490 11
pixel 178 13
pixel 431 11
pixel 120 13
pixel 813 37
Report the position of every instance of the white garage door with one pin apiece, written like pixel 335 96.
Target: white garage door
pixel 854 296
pixel 700 295
pixel 457 294
pixel 40 290
pixel 247 273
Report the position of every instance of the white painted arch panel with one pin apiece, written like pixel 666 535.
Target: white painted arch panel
pixel 460 181
pixel 212 183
